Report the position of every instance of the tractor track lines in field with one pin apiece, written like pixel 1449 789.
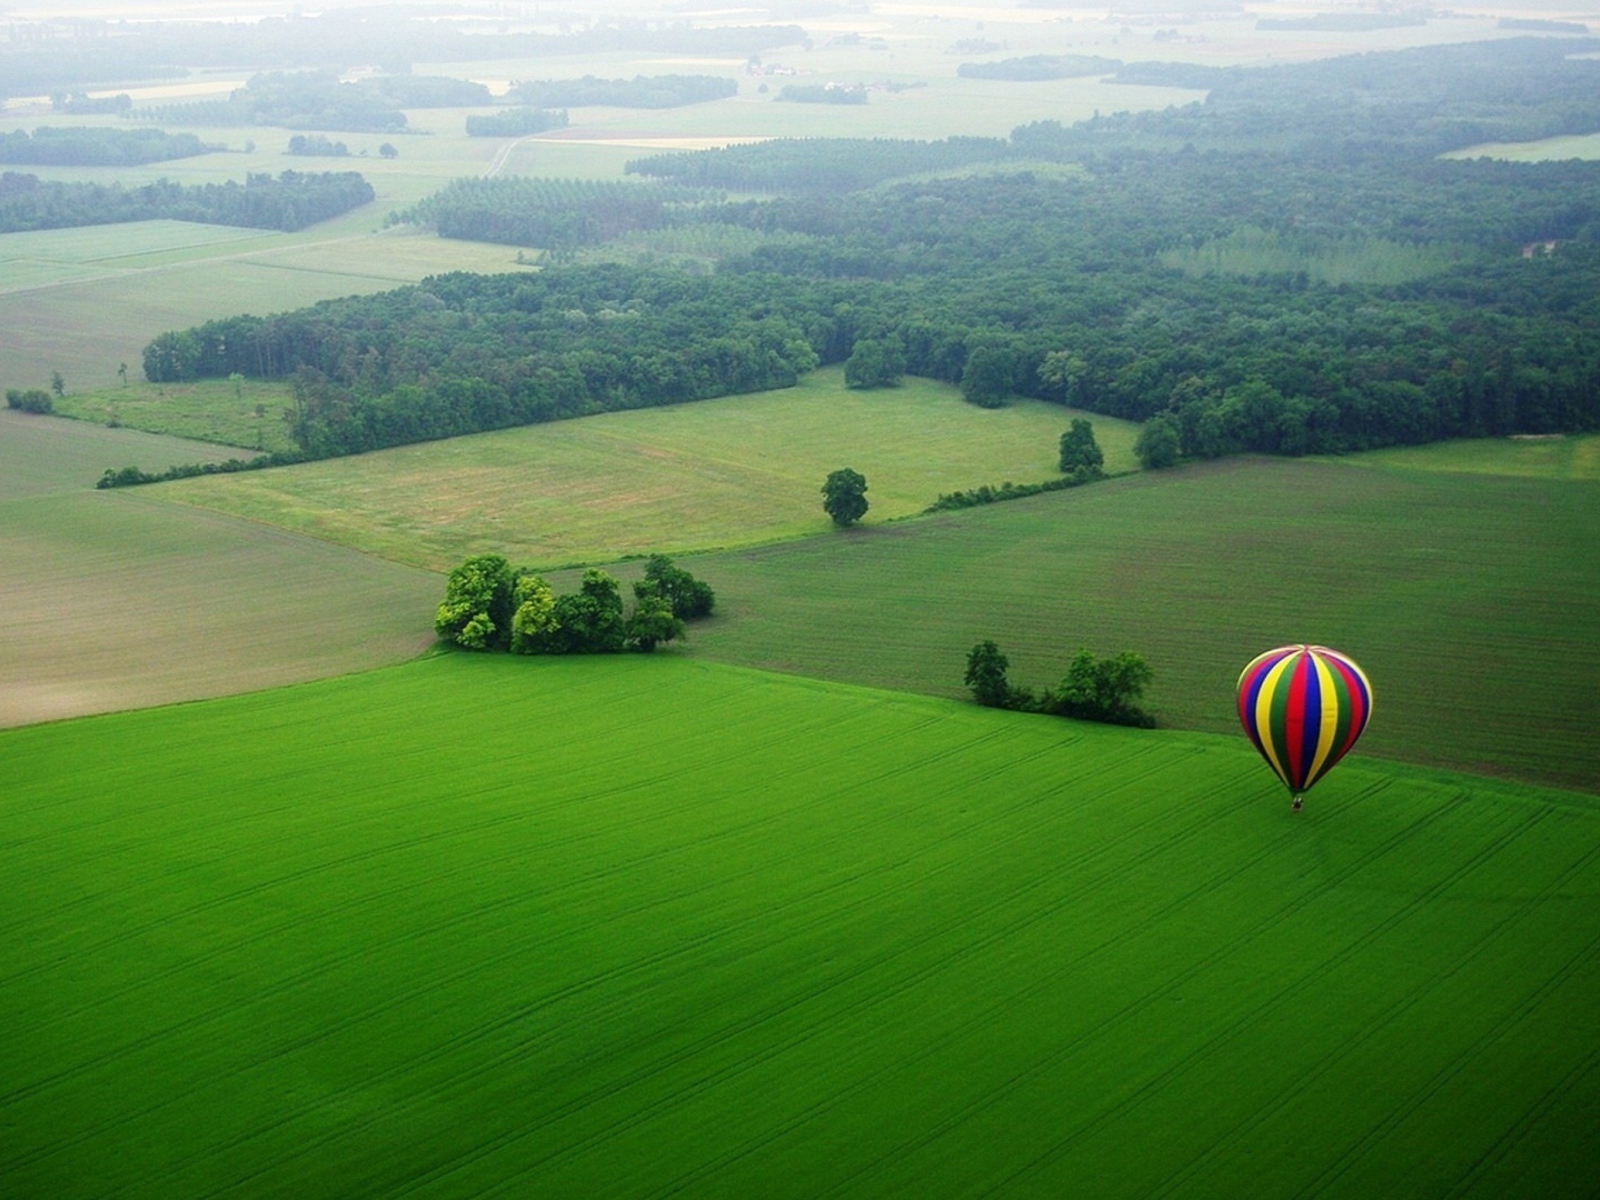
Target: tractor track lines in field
pixel 1232 1031
pixel 865 900
pixel 803 731
pixel 1221 1147
pixel 1524 1125
pixel 881 995
pixel 1508 1021
pixel 1185 975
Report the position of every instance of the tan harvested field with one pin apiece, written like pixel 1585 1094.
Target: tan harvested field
pixel 719 473
pixel 115 601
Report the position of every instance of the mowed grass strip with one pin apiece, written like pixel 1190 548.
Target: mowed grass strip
pixel 1473 600
pixel 646 926
pixel 728 472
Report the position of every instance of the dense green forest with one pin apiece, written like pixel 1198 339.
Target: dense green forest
pixel 642 91
pixel 557 214
pixel 56 146
pixel 317 100
pixel 515 122
pixel 1193 284
pixel 48 57
pixel 291 201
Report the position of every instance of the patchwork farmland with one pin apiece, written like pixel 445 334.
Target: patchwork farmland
pixel 114 601
pixel 727 472
pixel 455 943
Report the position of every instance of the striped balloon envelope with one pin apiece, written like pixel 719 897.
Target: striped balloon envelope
pixel 1303 707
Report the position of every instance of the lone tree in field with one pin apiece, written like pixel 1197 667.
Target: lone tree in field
pixel 844 497
pixel 1080 453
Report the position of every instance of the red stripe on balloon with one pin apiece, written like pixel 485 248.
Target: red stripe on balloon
pixel 1294 720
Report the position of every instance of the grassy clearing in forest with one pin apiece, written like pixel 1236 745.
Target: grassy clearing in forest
pixel 728 472
pixel 218 411
pixel 636 926
pixel 1473 601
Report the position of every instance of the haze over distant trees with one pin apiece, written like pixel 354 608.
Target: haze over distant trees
pixel 1288 288
pixel 48 57
pixel 291 201
pixel 642 91
pixel 70 146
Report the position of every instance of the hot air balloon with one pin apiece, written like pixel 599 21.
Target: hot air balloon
pixel 1303 707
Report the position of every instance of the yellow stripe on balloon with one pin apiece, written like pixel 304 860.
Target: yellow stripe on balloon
pixel 1330 718
pixel 1263 714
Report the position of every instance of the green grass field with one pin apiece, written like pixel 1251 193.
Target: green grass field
pixel 217 411
pixel 113 600
pixel 644 927
pixel 1473 600
pixel 727 472
pixel 1534 457
pixel 42 456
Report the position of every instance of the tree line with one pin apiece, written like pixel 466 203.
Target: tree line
pixel 1107 690
pixel 516 122
pixel 819 166
pixel 550 213
pixel 289 202
pixel 464 353
pixel 318 100
pixel 59 146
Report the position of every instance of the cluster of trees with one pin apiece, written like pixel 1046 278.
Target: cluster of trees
pixel 1037 67
pixel 29 400
pixel 59 146
pixel 315 145
pixel 642 91
pixel 318 100
pixel 1093 689
pixel 555 214
pixel 816 166
pixel 81 104
pixel 516 122
pixel 292 201
pixel 488 605
pixel 823 93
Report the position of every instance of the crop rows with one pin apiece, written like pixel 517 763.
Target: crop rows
pixel 650 927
